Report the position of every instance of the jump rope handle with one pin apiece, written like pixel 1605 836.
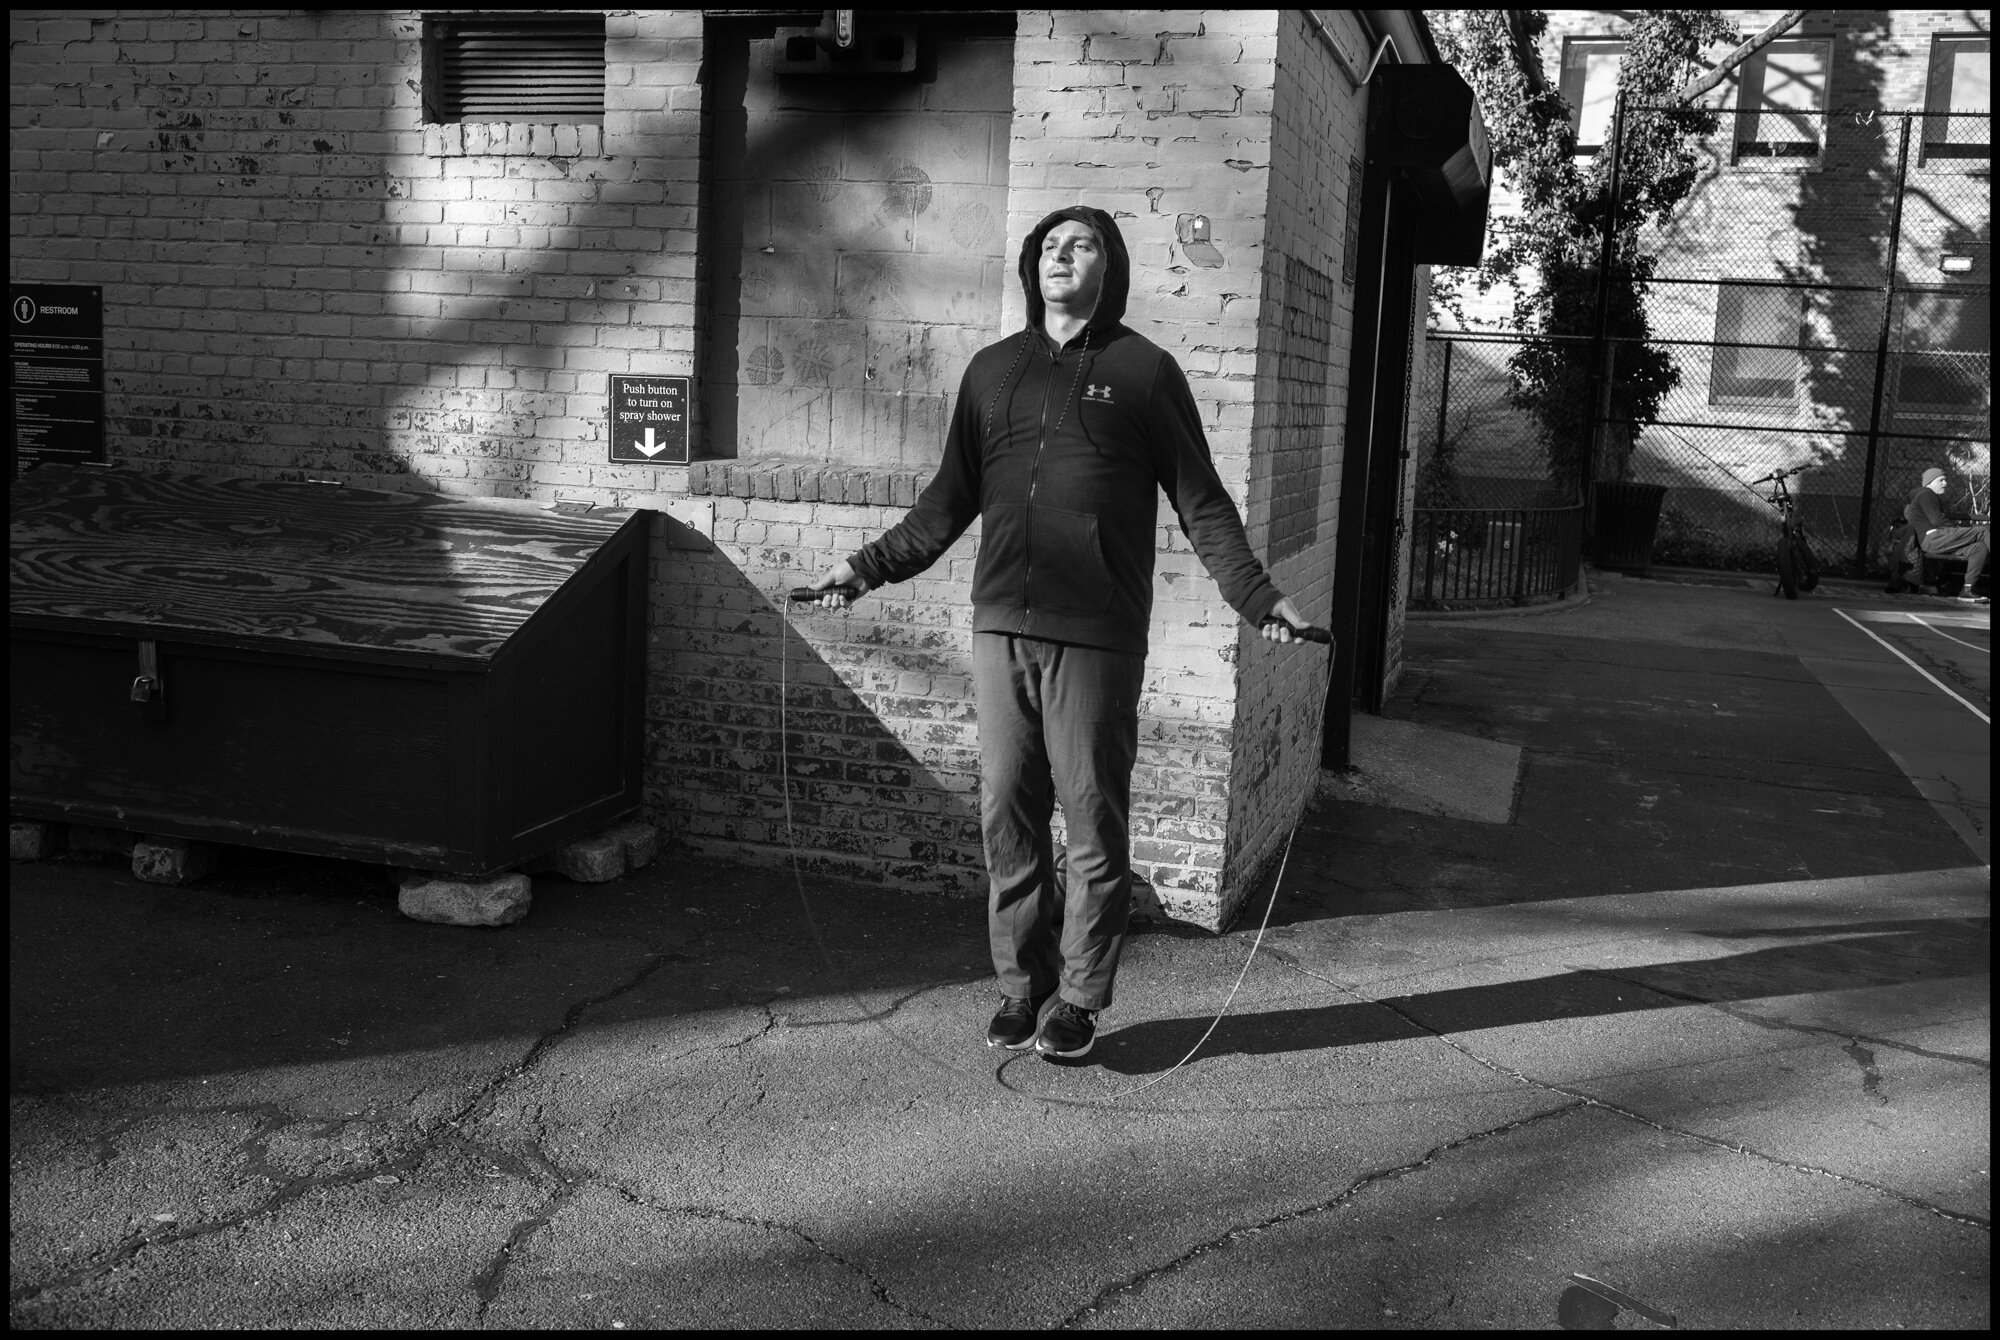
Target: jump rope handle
pixel 802 594
pixel 1310 633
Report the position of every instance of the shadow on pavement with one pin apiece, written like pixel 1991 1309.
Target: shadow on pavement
pixel 1887 953
pixel 1646 767
pixel 280 961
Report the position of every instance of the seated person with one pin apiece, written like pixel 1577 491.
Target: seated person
pixel 1944 534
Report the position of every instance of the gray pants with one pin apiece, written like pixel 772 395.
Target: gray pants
pixel 1966 542
pixel 1056 722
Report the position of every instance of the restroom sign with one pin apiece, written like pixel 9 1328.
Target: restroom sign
pixel 649 420
pixel 55 350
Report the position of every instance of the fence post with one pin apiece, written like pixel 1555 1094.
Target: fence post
pixel 1609 349
pixel 1518 552
pixel 1882 356
pixel 1444 396
pixel 1426 535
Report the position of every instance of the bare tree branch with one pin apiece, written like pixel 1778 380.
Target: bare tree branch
pixel 1786 22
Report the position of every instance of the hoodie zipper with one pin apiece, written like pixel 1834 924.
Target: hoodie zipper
pixel 1034 482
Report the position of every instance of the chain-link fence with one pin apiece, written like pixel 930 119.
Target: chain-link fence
pixel 1474 448
pixel 1827 306
pixel 1823 297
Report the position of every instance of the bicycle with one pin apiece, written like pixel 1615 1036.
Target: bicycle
pixel 1798 569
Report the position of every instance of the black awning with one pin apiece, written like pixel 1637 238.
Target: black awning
pixel 1424 125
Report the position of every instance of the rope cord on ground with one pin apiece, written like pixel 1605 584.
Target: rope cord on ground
pixel 792 845
pixel 1229 1000
pixel 798 879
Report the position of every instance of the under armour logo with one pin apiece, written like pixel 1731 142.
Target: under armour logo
pixel 1097 393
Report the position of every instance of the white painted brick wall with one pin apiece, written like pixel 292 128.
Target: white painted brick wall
pixel 1316 126
pixel 302 279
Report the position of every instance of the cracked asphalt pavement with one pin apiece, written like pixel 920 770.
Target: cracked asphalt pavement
pixel 1704 1022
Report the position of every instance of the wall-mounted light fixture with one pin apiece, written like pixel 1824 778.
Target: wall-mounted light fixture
pixel 1955 265
pixel 837 46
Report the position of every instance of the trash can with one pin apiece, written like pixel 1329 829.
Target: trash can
pixel 1626 517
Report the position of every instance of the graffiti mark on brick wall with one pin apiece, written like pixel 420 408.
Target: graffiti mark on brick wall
pixel 765 366
pixel 824 174
pixel 908 190
pixel 971 225
pixel 815 362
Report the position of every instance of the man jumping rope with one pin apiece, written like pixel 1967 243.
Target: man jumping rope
pixel 1061 440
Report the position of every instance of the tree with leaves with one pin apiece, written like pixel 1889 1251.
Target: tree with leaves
pixel 1551 254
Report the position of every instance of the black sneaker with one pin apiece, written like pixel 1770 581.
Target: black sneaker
pixel 1014 1026
pixel 1068 1033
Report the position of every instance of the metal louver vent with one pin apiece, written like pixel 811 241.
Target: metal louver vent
pixel 519 68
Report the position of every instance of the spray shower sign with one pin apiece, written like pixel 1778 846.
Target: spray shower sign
pixel 649 420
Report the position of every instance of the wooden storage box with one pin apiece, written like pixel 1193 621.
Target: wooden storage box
pixel 452 684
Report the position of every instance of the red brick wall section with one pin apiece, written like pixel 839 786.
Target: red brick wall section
pixel 882 751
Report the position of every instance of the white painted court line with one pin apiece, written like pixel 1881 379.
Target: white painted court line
pixel 1946 618
pixel 1918 668
pixel 1984 651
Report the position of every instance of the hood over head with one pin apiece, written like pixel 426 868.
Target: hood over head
pixel 1117 266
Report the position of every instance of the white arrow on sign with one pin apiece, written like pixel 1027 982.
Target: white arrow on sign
pixel 648 447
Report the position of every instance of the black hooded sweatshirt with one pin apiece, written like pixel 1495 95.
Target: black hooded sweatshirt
pixel 1063 453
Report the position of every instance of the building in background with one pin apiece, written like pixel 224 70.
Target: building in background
pixel 1825 292
pixel 413 251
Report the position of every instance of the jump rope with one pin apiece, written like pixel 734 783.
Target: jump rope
pixel 805 594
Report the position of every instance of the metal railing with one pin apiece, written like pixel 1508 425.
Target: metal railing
pixel 1470 557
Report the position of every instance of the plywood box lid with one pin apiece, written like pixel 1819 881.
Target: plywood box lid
pixel 415 578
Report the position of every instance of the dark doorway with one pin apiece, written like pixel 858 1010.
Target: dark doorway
pixel 1365 551
pixel 1423 201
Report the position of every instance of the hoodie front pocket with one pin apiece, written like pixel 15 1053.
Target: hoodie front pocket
pixel 1003 554
pixel 1067 573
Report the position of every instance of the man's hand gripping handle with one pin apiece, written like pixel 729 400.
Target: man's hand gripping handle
pixel 1300 633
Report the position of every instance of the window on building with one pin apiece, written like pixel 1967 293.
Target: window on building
pixel 1759 333
pixel 1944 359
pixel 1781 101
pixel 515 67
pixel 1959 98
pixel 1590 87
